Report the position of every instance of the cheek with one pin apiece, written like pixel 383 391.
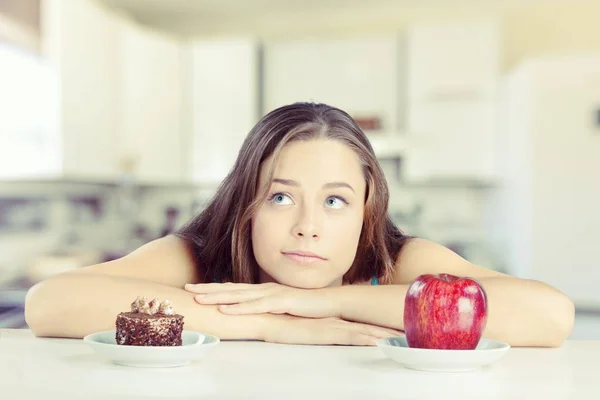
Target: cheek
pixel 345 235
pixel 266 237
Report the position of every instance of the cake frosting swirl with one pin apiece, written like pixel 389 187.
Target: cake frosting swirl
pixel 155 306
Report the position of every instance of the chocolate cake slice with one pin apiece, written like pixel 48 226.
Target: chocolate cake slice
pixel 149 324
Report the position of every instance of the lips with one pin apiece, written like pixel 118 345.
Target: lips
pixel 303 257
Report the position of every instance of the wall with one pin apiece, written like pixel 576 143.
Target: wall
pixel 20 23
pixel 551 28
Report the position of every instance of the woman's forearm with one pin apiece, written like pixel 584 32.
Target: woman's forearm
pixel 75 305
pixel 520 312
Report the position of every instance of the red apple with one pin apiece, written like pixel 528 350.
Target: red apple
pixel 444 312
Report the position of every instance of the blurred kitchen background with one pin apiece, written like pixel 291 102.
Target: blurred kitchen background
pixel 119 117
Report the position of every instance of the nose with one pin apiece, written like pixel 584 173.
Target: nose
pixel 307 224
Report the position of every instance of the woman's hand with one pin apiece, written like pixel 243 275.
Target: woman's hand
pixel 322 331
pixel 273 298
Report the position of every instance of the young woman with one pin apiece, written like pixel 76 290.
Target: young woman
pixel 296 246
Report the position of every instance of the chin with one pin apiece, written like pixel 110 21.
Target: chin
pixel 301 277
pixel 305 285
pixel 305 282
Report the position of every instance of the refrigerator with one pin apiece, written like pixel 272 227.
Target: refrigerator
pixel 545 214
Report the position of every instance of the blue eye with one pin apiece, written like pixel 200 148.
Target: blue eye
pixel 281 199
pixel 336 202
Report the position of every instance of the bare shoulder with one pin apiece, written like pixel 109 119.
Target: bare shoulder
pixel 167 260
pixel 420 256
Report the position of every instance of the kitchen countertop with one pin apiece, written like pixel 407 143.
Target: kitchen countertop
pixel 33 367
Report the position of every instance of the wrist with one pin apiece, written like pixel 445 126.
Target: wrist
pixel 265 324
pixel 331 300
pixel 259 327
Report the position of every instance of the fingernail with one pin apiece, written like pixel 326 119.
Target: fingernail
pixel 199 296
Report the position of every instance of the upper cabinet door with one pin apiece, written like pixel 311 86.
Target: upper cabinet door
pixel 151 115
pixel 29 141
pixel 119 94
pixel 452 101
pixel 82 41
pixel 223 81
pixel 452 60
pixel 356 74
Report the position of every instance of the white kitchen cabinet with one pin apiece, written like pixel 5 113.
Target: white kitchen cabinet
pixel 151 115
pixel 82 42
pixel 114 105
pixel 452 141
pixel 452 102
pixel 452 60
pixel 223 77
pixel 356 74
pixel 29 136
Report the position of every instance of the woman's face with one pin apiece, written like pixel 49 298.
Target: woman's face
pixel 306 232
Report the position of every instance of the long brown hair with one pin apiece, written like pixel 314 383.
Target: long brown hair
pixel 220 235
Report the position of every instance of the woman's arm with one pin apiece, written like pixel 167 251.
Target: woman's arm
pixel 521 312
pixel 75 304
pixel 88 299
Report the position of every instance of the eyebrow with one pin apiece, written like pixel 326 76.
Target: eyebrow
pixel 330 185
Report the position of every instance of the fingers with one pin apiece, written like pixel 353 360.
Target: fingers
pixel 230 297
pixel 359 333
pixel 325 331
pixel 354 334
pixel 358 339
pixel 350 338
pixel 258 306
pixel 341 338
pixel 377 331
pixel 218 287
pixel 383 332
pixel 372 330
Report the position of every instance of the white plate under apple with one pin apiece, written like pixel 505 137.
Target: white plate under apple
pixel 434 360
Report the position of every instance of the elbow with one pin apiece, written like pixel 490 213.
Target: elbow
pixel 37 309
pixel 562 319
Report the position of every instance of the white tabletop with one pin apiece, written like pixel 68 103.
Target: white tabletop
pixel 33 367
